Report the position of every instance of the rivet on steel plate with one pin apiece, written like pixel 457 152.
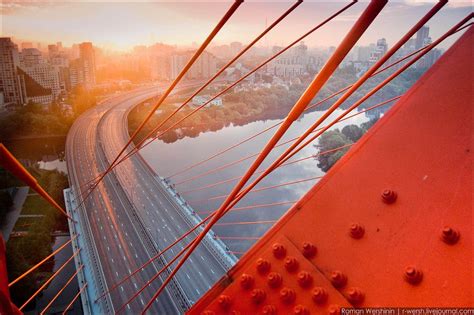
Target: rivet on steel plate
pixel 279 251
pixel 269 310
pixel 258 296
pixel 309 250
pixel 356 231
pixel 224 301
pixel 334 309
pixel 450 235
pixel 355 296
pixel 246 281
pixel 389 196
pixel 305 279
pixel 301 310
pixel 287 295
pixel 263 265
pixel 413 275
pixel 274 279
pixel 319 295
pixel 291 264
pixel 338 279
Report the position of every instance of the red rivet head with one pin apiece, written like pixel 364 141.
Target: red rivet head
pixel 279 251
pixel 355 296
pixel 413 275
pixel 263 265
pixel 269 310
pixel 274 279
pixel 305 279
pixel 258 296
pixel 246 281
pixel 301 310
pixel 356 231
pixel 450 236
pixel 224 301
pixel 319 295
pixel 309 250
pixel 334 309
pixel 287 295
pixel 338 279
pixel 291 264
pixel 389 196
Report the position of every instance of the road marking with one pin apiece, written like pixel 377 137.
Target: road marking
pixel 188 276
pixel 212 271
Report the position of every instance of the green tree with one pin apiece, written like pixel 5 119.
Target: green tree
pixel 328 141
pixel 352 132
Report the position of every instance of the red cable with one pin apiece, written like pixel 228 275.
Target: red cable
pixel 242 78
pixel 245 223
pixel 279 145
pixel 309 107
pixel 49 280
pixel 265 205
pixel 61 291
pixel 239 238
pixel 187 233
pixel 261 189
pixel 218 73
pixel 74 299
pixel 188 65
pixel 367 17
pixel 30 270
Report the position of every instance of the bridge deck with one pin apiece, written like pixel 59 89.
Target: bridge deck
pixel 133 214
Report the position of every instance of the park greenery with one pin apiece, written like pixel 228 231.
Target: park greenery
pixel 333 139
pixel 36 120
pixel 243 107
pixel 31 240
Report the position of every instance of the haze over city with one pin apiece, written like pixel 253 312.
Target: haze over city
pixel 129 23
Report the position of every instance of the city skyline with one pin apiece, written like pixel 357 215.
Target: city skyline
pixel 150 22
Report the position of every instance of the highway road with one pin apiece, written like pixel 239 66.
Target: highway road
pixel 130 215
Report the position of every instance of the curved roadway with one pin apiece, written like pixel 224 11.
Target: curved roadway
pixel 130 216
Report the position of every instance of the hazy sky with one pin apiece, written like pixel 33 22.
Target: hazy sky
pixel 123 24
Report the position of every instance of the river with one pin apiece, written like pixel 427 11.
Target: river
pixel 169 158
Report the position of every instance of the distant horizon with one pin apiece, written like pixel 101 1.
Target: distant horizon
pixel 149 23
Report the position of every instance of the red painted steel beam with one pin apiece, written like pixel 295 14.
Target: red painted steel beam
pixel 391 222
pixel 6 305
pixel 10 163
pixel 361 25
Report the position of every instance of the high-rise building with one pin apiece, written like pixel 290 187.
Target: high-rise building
pixel 87 57
pixel 41 80
pixel 204 67
pixel 10 85
pixel 422 36
pixel 379 51
pixel 294 64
